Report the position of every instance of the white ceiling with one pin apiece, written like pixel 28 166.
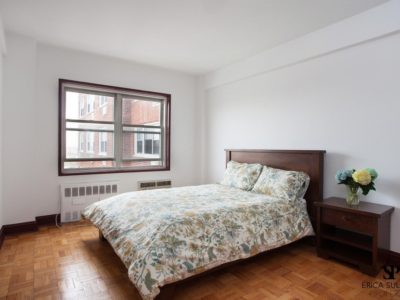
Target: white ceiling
pixel 195 36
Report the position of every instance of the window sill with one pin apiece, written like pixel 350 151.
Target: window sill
pixel 88 172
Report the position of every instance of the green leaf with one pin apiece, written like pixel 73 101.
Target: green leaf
pixel 211 254
pixel 287 235
pixel 262 238
pixel 245 248
pixel 148 281
pixel 188 266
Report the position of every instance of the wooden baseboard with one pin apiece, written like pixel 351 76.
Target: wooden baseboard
pixel 48 220
pixel 2 236
pixel 25 227
pixel 20 228
pixel 393 258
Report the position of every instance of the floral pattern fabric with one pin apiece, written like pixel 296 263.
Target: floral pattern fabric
pixel 241 175
pixel 289 185
pixel 166 235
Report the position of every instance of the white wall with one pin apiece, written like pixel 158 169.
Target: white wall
pixel 346 102
pixel 32 70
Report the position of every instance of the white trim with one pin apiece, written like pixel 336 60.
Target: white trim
pixel 369 25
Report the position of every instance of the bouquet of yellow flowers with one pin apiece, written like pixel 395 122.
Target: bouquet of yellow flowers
pixel 355 179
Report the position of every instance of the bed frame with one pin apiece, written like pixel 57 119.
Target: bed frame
pixel 308 161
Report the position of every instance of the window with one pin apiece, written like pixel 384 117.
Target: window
pixel 139 143
pixel 81 141
pixel 89 142
pixel 82 110
pixel 102 100
pixel 103 143
pixel 107 129
pixel 90 103
pixel 103 104
pixel 147 144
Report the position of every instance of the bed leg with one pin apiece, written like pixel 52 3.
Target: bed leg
pixel 101 237
pixel 166 292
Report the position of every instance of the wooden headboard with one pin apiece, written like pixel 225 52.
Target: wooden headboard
pixel 308 161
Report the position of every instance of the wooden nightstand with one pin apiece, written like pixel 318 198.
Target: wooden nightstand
pixel 358 235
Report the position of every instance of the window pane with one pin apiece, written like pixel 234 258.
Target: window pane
pixel 103 143
pixel 86 106
pixel 148 146
pixel 89 164
pixel 89 126
pixel 139 164
pixel 139 145
pixel 88 144
pixel 156 146
pixel 141 112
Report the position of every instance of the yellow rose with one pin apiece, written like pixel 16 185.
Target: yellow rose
pixel 362 177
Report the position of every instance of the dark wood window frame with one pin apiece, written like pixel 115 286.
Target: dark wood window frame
pixel 65 84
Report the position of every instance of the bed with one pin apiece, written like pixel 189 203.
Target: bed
pixel 166 236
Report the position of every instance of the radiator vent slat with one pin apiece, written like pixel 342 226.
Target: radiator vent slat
pixel 88 190
pixel 147 184
pixel 76 196
pixel 154 184
pixel 164 183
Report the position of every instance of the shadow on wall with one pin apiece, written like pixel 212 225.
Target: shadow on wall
pixel 333 162
pixel 389 188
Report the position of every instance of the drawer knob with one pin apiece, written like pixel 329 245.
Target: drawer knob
pixel 346 218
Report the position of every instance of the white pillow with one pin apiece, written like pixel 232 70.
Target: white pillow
pixel 241 175
pixel 290 185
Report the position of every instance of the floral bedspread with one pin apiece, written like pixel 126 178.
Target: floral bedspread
pixel 166 235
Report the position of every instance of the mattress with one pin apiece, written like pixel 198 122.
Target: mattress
pixel 163 236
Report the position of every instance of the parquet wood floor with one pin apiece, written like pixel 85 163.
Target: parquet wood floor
pixel 72 263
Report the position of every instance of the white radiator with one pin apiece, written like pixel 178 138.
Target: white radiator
pixel 76 196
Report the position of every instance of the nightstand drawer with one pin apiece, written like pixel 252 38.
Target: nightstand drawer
pixel 350 221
